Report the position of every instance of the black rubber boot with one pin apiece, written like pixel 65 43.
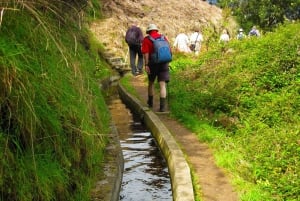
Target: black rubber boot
pixel 150 101
pixel 162 105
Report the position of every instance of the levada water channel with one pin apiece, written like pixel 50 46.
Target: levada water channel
pixel 145 175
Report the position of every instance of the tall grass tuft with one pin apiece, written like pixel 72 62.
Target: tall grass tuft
pixel 54 121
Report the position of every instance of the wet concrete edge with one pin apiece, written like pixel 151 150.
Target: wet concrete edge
pixel 115 194
pixel 182 186
pixel 109 186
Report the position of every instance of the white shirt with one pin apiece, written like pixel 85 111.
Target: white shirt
pixel 224 37
pixel 182 43
pixel 196 36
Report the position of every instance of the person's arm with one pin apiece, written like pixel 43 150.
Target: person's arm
pixel 258 33
pixel 175 42
pixel 146 61
pixel 126 36
pixel 201 38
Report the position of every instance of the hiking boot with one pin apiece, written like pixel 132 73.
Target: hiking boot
pixel 150 101
pixel 162 105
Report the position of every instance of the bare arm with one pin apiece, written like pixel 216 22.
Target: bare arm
pixel 146 61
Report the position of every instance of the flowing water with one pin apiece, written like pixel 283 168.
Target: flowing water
pixel 145 176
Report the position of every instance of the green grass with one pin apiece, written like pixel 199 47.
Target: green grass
pixel 125 81
pixel 245 103
pixel 54 119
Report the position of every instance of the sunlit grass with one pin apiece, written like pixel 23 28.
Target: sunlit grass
pixel 245 104
pixel 54 120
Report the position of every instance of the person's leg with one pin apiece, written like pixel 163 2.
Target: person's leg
pixel 151 79
pixel 150 93
pixel 163 77
pixel 163 89
pixel 140 61
pixel 132 57
pixel 163 95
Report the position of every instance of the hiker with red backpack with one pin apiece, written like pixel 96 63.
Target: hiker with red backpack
pixel 134 37
pixel 157 55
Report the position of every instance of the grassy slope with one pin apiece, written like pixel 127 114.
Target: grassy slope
pixel 53 116
pixel 245 102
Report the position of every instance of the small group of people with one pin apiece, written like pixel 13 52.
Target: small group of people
pixel 141 47
pixel 240 35
pixel 253 32
pixel 187 44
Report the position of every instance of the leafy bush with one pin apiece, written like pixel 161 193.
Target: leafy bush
pixel 252 91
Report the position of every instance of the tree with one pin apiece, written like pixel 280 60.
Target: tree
pixel 267 14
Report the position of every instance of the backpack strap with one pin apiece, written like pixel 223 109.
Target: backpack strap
pixel 153 39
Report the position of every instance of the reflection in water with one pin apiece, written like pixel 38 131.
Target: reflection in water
pixel 145 176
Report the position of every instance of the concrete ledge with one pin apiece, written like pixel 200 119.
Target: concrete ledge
pixel 108 187
pixel 115 194
pixel 182 187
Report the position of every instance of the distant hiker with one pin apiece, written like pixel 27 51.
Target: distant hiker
pixel 181 43
pixel 224 38
pixel 254 32
pixel 196 39
pixel 240 35
pixel 153 68
pixel 212 2
pixel 134 37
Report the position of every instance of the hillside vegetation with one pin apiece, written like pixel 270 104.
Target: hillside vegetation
pixel 244 101
pixel 54 120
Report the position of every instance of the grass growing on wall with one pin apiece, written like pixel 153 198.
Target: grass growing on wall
pixel 54 120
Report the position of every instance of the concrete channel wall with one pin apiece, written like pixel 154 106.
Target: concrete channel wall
pixel 182 187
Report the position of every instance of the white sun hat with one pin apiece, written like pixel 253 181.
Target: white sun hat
pixel 151 27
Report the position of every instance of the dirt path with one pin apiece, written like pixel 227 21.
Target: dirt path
pixel 213 182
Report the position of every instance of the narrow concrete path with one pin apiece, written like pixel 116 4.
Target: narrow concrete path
pixel 215 185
